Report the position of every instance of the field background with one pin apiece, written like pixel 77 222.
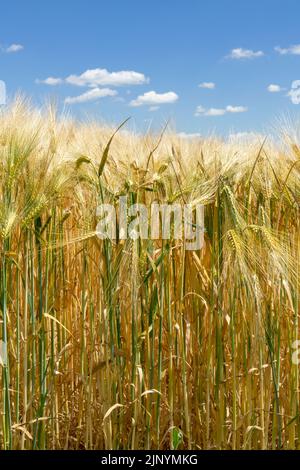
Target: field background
pixel 144 345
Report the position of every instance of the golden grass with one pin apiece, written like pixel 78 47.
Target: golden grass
pixel 142 344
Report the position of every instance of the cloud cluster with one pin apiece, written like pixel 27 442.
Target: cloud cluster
pixel 95 78
pixel 201 111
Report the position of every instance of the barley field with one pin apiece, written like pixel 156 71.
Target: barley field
pixel 142 344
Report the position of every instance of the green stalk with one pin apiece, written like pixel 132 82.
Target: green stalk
pixel 7 431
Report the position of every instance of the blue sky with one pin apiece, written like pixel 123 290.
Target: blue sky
pixel 167 48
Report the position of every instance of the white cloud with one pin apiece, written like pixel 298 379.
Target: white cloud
pixel 240 53
pixel 236 109
pixel 14 48
pixel 201 111
pixel 215 112
pixel 294 92
pixel 153 98
pixel 207 85
pixel 95 79
pixel 184 135
pixel 100 77
pixel 90 95
pixel 294 50
pixel 274 88
pixel 52 81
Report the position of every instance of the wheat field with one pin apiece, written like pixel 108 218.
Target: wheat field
pixel 123 344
